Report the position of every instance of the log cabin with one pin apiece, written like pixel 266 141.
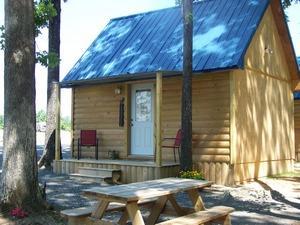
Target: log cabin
pixel 127 87
pixel 297 119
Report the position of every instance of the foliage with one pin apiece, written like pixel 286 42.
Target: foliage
pixel 191 174
pixel 288 3
pixel 1 122
pixel 43 12
pixel 41 116
pixel 65 123
pixel 46 59
pixel 2 37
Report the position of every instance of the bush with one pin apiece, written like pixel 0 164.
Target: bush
pixel 41 116
pixel 1 121
pixel 65 123
pixel 191 174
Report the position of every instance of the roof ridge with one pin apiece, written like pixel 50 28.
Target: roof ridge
pixel 157 10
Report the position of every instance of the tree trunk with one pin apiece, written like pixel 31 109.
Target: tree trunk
pixel 19 183
pixel 186 110
pixel 53 76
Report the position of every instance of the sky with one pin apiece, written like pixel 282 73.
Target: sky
pixel 82 21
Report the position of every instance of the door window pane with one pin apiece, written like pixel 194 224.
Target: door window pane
pixel 143 112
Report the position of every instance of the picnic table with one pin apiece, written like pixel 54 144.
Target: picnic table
pixel 160 191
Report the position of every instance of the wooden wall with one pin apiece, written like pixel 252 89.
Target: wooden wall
pixel 211 122
pixel 297 128
pixel 262 131
pixel 210 116
pixel 97 108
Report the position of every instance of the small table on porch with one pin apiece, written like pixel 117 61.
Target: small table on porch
pixel 163 190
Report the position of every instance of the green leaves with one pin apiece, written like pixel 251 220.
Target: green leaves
pixel 178 2
pixel 1 121
pixel 44 11
pixel 47 59
pixel 288 3
pixel 191 174
pixel 65 123
pixel 41 116
pixel 2 37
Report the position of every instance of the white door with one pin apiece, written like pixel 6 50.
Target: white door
pixel 142 119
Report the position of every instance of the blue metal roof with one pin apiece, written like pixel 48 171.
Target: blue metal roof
pixel 297 95
pixel 151 42
pixel 298 61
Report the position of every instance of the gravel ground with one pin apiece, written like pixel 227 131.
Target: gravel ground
pixel 267 201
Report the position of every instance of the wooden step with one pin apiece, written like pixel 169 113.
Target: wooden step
pixel 91 178
pixel 114 174
pixel 97 171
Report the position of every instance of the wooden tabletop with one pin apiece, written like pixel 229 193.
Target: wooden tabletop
pixel 145 190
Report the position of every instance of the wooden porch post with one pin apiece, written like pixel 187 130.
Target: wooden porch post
pixel 57 131
pixel 158 117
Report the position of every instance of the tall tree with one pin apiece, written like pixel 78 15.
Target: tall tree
pixel 186 103
pixel 53 76
pixel 19 183
pixel 288 3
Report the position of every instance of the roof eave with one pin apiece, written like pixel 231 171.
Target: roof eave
pixel 139 76
pixel 118 78
pixel 241 61
pixel 286 40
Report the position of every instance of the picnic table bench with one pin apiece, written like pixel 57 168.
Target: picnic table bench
pixel 81 215
pixel 161 194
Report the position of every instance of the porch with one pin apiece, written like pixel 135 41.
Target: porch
pixel 131 170
pixel 115 111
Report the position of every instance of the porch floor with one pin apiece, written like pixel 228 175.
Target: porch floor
pixel 131 170
pixel 127 162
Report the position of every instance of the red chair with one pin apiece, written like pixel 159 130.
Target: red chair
pixel 176 145
pixel 88 138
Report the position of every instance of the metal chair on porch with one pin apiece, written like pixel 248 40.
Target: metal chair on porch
pixel 88 138
pixel 176 145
